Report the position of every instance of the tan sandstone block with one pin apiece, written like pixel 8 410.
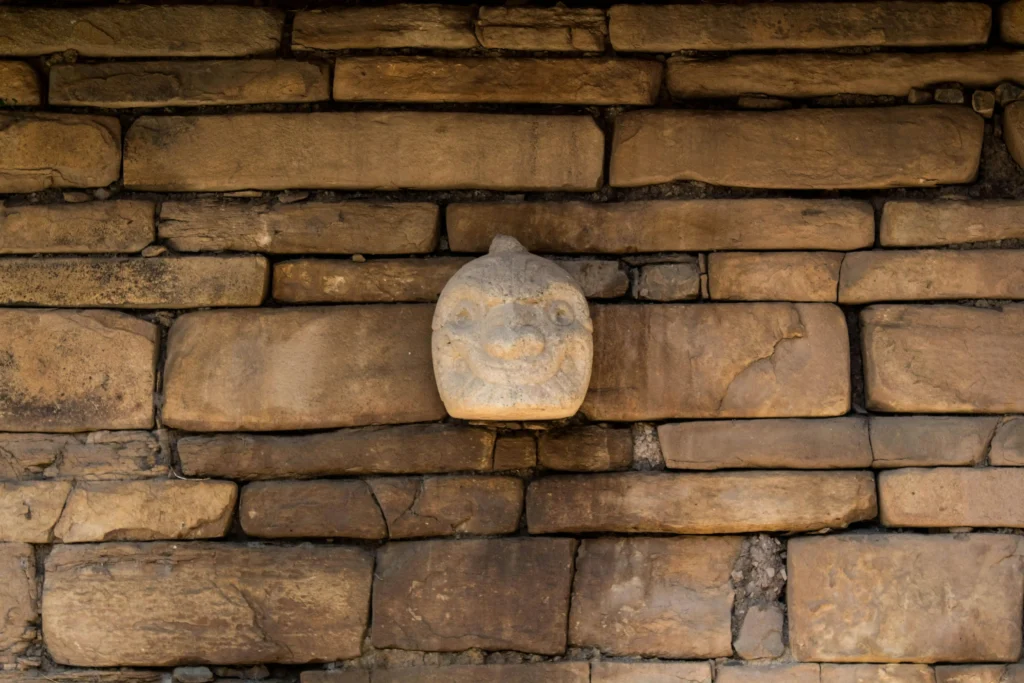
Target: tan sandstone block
pixel 952 497
pixel 976 673
pixel 918 275
pixel 775 673
pixel 874 598
pixel 39 151
pixel 650 672
pixel 74 371
pixel 548 672
pixel 613 603
pixel 116 282
pixel 406 449
pixel 927 441
pixel 444 27
pixel 586 449
pixel 18 601
pixel 343 508
pixel 513 80
pixel 943 359
pixel 832 443
pixel 280 369
pixel 780 276
pixel 799 149
pixel 30 509
pixel 348 227
pixel 84 676
pixel 669 281
pixel 938 223
pixel 706 503
pixel 876 673
pixel 162 604
pixel 665 225
pixel 1013 131
pixel 555 29
pixel 1007 447
pixel 141 31
pixel 515 452
pixel 494 594
pixel 358 150
pixel 123 85
pixel 86 457
pixel 417 507
pixel 124 225
pixel 1011 21
pixel 19 85
pixel 756 360
pixel 381 280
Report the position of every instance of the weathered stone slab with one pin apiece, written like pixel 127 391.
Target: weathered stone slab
pixel 796 26
pixel 445 27
pixel 124 225
pixel 927 441
pixel 18 600
pixel 1011 21
pixel 515 452
pixel 358 150
pixel 30 509
pixel 549 672
pixel 665 225
pixel 555 29
pixel 141 31
pixel 707 503
pixel 74 371
pixel 19 85
pixel 952 497
pixel 979 673
pixel 416 507
pixel 650 672
pixel 779 276
pixel 799 149
pixel 382 280
pixel 335 676
pixel 775 673
pixel 586 449
pixel 943 359
pixel 876 673
pixel 834 443
pixel 161 604
pixel 1007 447
pixel 513 80
pixel 760 634
pixel 903 597
pixel 280 369
pixel 918 275
pixel 123 85
pixel 349 227
pixel 598 279
pixel 63 675
pixel 937 223
pixel 39 151
pixel 408 449
pixel 343 508
pixel 119 282
pixel 1013 130
pixel 146 511
pixel 668 281
pixel 613 603
pixel 86 457
pixel 755 360
pixel 497 594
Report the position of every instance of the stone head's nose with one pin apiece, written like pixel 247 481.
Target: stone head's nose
pixel 514 343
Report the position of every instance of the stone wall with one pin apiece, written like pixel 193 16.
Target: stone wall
pixel 222 452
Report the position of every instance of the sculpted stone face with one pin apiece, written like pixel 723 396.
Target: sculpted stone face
pixel 512 338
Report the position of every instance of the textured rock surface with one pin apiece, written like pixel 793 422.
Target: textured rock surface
pixel 85 457
pixel 650 672
pixel 876 673
pixel 39 151
pixel 327 281
pixel 94 227
pixel 1013 131
pixel 586 449
pixel 669 281
pixel 760 635
pixel 926 441
pixel 549 672
pixel 597 278
pixel 952 497
pixel 446 27
pixel 515 452
pixel 449 506
pixel 1011 21
pixel 1007 447
pixel 18 600
pixel 343 508
pixel 782 276
pixel 936 223
pixel 979 673
pixel 19 85
pixel 782 673
pixel 556 29
pixel 30 509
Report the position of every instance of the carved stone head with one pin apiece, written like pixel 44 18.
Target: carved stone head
pixel 512 338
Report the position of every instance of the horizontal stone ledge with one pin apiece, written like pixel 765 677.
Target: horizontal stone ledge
pixel 125 85
pixel 19 603
pixel 511 80
pixel 780 276
pixel 801 149
pixel 821 75
pixel 589 448
pixel 443 27
pixel 650 672
pixel 343 508
pixel 665 225
pixel 112 282
pixel 943 222
pixel 163 604
pixel 952 497
pixel 931 440
pixel 549 672
pixel 771 673
pixel 358 150
pixel 19 85
pixel 706 503
pixel 554 29
pixel 93 456
pixel 124 225
pixel 39 151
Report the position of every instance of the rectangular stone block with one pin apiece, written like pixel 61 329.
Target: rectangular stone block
pixel 417 507
pixel 943 359
pixel 755 360
pixel 281 369
pixel 125 85
pixel 876 673
pixel 773 673
pixel 669 281
pixel 780 276
pixel 650 672
pixel 905 598
pixel 707 503
pixel 979 673
pixel 407 449
pixel 938 223
pixel 75 371
pixel 1011 21
pixel 665 225
pixel 919 275
pixel 494 594
pixel 124 225
pixel 549 672
pixel 515 451
pixel 512 80
pixel 952 497
pixel 30 509
pixel 1007 447
pixel 613 603
pixel 363 150
pixel 141 31
pixel 586 449
pixel 799 149
pixel 442 27
pixel 19 85
pixel 39 151
pixel 927 441
pixel 18 601
pixel 343 508
pixel 1013 131
pixel 162 604
pixel 554 29
pixel 598 279
pixel 381 280
pixel 116 282
pixel 796 26
pixel 79 676
pixel 85 457
pixel 348 227
pixel 832 443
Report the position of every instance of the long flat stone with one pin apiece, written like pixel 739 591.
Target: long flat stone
pixel 281 369
pixel 555 29
pixel 778 276
pixel 125 225
pixel 952 497
pixel 979 673
pixel 549 672
pixel 938 223
pixel 718 360
pixel 650 672
pixel 418 507
pixel 705 503
pixel 943 359
pixel 444 27
pixel 358 150
pixel 877 673
pixel 589 448
pixel 930 440
pixel 19 85
pixel 905 598
pixel 162 604
pixel 93 456
pixel 800 149
pixel 380 280
pixel 39 151
pixel 30 509
pixel 342 508
pixel 773 673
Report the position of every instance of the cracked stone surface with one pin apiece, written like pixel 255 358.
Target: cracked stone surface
pixel 343 508
pixel 40 151
pixel 19 610
pixel 30 509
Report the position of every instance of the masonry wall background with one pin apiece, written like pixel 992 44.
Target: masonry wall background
pixel 222 452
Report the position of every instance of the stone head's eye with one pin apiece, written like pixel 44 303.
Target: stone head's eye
pixel 561 313
pixel 464 312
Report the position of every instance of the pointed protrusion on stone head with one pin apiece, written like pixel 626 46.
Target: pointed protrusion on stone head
pixel 504 244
